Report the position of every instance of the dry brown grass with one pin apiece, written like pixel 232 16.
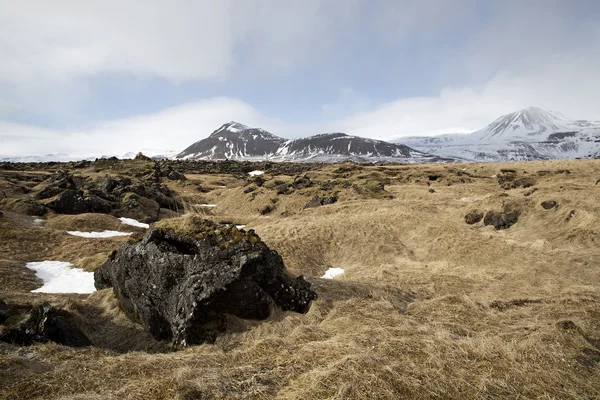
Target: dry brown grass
pixel 428 308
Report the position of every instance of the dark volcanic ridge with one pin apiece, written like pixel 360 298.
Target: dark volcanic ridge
pixel 234 141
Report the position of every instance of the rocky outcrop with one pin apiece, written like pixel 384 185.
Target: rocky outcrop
pixel 183 286
pixel 509 179
pixel 43 324
pixel 319 201
pixel 138 207
pixel 68 202
pixel 141 157
pixel 137 198
pixel 502 219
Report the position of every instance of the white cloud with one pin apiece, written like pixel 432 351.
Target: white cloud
pixel 171 129
pixel 540 52
pixel 569 85
pixel 65 39
pixel 349 101
pixel 452 110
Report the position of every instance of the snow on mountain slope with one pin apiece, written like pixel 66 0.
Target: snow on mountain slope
pixel 239 142
pixel 529 134
pixel 529 124
pixel 234 141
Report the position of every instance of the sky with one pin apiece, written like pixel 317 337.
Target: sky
pixel 108 77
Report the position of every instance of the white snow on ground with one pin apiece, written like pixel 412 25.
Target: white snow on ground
pixel 240 226
pixel 256 173
pixel 59 277
pixel 96 235
pixel 206 205
pixel 333 272
pixel 38 221
pixel 133 222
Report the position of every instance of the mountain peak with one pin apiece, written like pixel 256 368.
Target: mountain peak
pixel 234 126
pixel 230 127
pixel 528 122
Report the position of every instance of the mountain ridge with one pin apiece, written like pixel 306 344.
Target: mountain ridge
pixel 235 141
pixel 529 134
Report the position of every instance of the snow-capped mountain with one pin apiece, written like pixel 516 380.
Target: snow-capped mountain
pixel 235 141
pixel 529 124
pixel 529 134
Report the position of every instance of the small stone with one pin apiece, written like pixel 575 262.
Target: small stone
pixel 549 204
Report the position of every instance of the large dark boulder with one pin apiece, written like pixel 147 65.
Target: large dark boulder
pixel 68 202
pixel 183 286
pixel 45 324
pixel 97 204
pixel 139 207
pixel 115 185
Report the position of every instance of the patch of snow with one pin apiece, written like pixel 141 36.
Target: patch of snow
pixel 240 226
pixel 133 222
pixel 333 272
pixel 206 205
pixel 97 235
pixel 59 277
pixel 255 173
pixel 38 221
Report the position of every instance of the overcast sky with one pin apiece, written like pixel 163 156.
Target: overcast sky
pixel 108 77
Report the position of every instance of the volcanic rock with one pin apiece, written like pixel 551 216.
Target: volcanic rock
pixel 502 219
pixel 508 179
pixel 140 208
pixel 182 286
pixel 58 183
pixel 548 204
pixel 141 157
pixel 302 182
pixel 46 324
pixel 68 202
pixel 96 204
pixel 318 201
pixel 176 176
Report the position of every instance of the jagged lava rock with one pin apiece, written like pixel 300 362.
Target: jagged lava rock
pixel 45 324
pixel 183 285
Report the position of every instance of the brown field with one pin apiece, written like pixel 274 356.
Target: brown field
pixel 429 307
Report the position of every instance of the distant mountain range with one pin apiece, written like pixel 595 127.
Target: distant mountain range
pixel 529 134
pixel 526 135
pixel 234 141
